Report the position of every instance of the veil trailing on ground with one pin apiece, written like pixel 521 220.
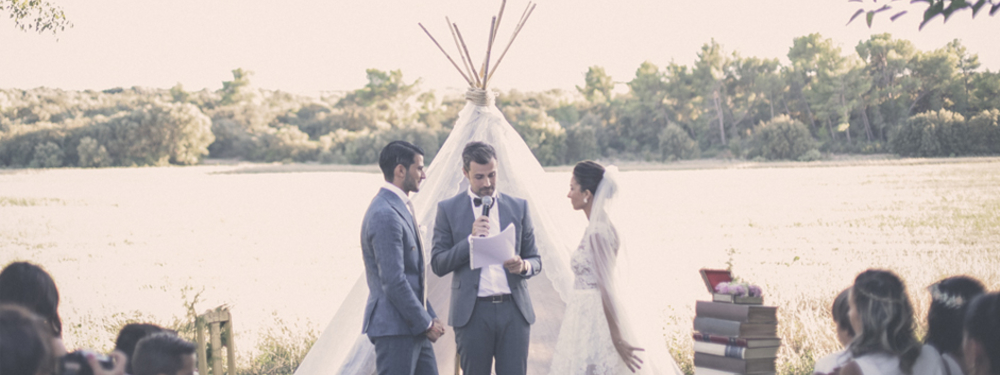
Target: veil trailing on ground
pixel 341 349
pixel 611 267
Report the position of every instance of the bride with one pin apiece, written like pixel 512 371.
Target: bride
pixel 595 338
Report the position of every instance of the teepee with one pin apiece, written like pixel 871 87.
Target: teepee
pixel 342 349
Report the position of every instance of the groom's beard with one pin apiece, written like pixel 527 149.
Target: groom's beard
pixel 411 185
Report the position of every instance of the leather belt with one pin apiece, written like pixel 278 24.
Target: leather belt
pixel 499 298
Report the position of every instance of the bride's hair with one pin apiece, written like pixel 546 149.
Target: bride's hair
pixel 588 174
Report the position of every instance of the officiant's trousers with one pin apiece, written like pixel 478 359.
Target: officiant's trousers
pixel 495 330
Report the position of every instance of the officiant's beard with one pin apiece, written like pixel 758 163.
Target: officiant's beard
pixel 486 190
pixel 411 184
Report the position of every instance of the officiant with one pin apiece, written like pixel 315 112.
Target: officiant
pixel 491 308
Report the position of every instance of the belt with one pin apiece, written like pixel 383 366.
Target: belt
pixel 495 299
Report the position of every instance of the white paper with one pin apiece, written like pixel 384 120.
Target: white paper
pixel 487 251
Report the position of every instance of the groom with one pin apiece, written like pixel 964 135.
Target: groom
pixel 490 306
pixel 398 319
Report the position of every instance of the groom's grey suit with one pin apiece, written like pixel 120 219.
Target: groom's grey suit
pixel 484 329
pixel 395 317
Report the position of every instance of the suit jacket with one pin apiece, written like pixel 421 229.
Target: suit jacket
pixel 450 253
pixel 394 264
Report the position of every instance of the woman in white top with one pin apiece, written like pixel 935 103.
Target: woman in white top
pixel 882 318
pixel 949 299
pixel 832 363
pixel 981 345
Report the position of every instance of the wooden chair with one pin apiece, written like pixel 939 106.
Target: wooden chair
pixel 220 323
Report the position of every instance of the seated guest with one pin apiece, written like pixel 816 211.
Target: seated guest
pixel 949 298
pixel 130 335
pixel 25 343
pixel 31 287
pixel 981 347
pixel 832 363
pixel 163 354
pixel 882 318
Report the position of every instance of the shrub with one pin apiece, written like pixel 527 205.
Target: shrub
pixel 47 155
pixel 984 133
pixel 781 138
pixel 92 154
pixel 581 143
pixel 675 143
pixel 934 133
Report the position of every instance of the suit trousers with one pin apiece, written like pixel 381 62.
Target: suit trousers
pixel 495 330
pixel 391 355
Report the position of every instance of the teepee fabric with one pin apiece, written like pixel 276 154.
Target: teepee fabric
pixel 341 349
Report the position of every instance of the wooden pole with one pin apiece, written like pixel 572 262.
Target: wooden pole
pixel 466 49
pixel 202 352
pixel 489 47
pixel 459 48
pixel 213 331
pixel 230 346
pixel 516 31
pixel 445 54
pixel 496 29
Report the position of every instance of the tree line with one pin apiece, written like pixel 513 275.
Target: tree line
pixel 885 96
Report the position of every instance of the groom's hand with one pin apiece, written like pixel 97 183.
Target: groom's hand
pixel 436 331
pixel 516 265
pixel 481 228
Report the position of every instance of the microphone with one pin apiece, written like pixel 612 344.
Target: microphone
pixel 487 202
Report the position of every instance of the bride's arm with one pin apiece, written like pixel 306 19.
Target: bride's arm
pixel 604 260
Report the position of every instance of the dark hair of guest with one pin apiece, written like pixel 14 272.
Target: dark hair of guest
pixel 30 286
pixel 588 174
pixel 160 353
pixel 130 335
pixel 945 318
pixel 982 324
pixel 478 152
pixel 841 310
pixel 397 153
pixel 25 342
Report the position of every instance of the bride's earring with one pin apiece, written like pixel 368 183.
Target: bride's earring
pixel 584 200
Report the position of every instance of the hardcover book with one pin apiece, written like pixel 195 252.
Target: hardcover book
pixel 737 312
pixel 735 341
pixel 730 328
pixel 739 366
pixel 737 352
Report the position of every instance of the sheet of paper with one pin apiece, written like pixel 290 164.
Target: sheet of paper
pixel 487 251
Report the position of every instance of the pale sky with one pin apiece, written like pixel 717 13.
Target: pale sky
pixel 310 46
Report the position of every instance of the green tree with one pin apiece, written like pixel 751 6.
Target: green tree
pixel 597 85
pixel 47 155
pixel 36 15
pixel 781 138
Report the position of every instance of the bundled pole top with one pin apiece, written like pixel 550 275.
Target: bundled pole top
pixel 479 79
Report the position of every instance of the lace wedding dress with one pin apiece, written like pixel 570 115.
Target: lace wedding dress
pixel 585 345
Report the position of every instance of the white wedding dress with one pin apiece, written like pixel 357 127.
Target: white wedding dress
pixel 585 345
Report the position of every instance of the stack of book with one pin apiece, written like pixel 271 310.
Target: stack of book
pixel 734 334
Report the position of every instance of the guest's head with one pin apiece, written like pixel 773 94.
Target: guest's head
pixel 587 175
pixel 402 164
pixel 882 318
pixel 130 335
pixel 30 286
pixel 479 162
pixel 949 298
pixel 841 316
pixel 163 354
pixel 25 342
pixel 981 347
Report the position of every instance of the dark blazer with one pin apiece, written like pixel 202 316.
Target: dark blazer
pixel 450 253
pixel 394 264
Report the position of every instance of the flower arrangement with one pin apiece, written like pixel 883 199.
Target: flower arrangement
pixel 738 288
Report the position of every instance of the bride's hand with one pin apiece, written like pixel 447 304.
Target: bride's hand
pixel 627 352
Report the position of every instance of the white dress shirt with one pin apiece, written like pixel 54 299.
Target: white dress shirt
pixel 493 279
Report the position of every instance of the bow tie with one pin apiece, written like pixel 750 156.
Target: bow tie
pixel 479 202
